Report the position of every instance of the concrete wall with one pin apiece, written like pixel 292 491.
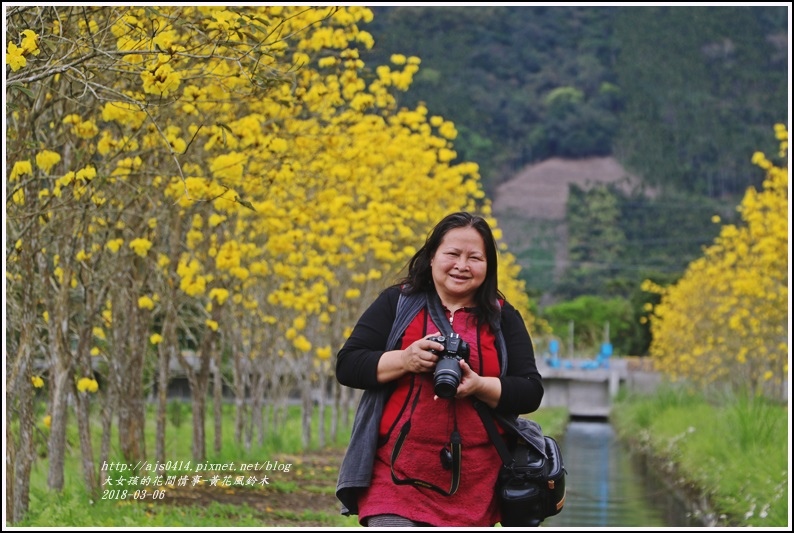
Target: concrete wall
pixel 588 393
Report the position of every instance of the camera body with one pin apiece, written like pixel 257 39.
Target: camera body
pixel 448 374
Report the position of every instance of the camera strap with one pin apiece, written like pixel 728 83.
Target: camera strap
pixel 439 317
pixel 455 448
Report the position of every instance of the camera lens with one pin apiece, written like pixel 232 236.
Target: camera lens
pixel 447 377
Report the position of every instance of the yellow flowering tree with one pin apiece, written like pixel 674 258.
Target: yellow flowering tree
pixel 726 320
pixel 224 187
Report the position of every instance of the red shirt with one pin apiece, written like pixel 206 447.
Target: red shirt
pixel 432 421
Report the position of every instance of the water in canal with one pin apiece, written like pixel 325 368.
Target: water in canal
pixel 605 485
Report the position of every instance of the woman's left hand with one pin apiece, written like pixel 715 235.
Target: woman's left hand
pixel 487 389
pixel 470 381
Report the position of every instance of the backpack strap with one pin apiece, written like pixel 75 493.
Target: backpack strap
pixel 490 426
pixel 501 346
pixel 408 305
pixel 437 314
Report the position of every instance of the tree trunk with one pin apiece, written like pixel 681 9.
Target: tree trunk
pixel 108 410
pixel 258 389
pixel 335 412
pixel 82 412
pixel 60 379
pixel 198 410
pixel 23 459
pixel 166 351
pixel 322 383
pixel 169 346
pixel 56 448
pixel 242 368
pixel 82 406
pixel 198 380
pixel 19 455
pixel 307 403
pixel 217 397
pixel 20 393
pixel 131 409
pixel 306 420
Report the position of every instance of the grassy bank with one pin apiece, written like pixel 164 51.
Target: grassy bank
pixel 734 451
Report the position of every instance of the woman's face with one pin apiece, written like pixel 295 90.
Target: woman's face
pixel 459 265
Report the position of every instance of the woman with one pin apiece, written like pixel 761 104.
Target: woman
pixel 415 458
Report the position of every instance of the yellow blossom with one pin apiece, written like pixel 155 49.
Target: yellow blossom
pixel 141 246
pixel 19 197
pixel 155 338
pixel 324 353
pixel 14 57
pixel 86 174
pixel 37 381
pixel 352 294
pixel 87 385
pixel 278 145
pixel 161 80
pixel 47 159
pixel 219 294
pixel 20 169
pixel 85 129
pixel 30 42
pixel 145 302
pixel 215 219
pixel 193 285
pixel 47 421
pixel 302 343
pixel 212 324
pixel 114 245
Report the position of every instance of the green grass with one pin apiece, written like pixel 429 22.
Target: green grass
pixel 733 449
pixel 552 420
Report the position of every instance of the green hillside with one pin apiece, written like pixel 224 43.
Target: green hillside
pixel 682 95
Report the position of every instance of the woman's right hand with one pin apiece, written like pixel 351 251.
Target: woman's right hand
pixel 417 357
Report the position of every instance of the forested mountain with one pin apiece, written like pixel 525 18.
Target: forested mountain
pixel 682 95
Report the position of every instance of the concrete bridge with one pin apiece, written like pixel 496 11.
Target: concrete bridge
pixel 587 392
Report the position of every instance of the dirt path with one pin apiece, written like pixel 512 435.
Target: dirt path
pixel 303 497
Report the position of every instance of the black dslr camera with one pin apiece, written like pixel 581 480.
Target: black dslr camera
pixel 448 374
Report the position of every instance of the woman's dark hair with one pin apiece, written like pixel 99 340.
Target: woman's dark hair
pixel 420 275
